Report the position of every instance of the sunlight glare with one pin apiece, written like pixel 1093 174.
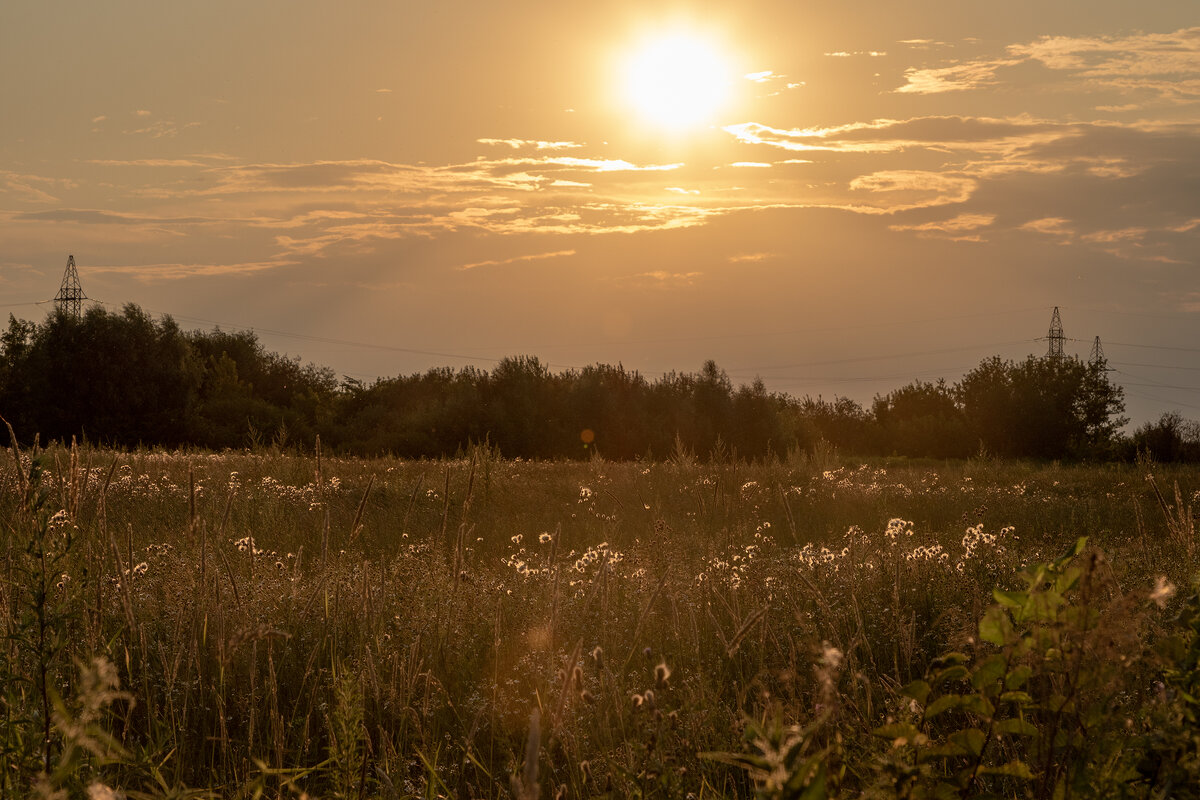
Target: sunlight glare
pixel 677 81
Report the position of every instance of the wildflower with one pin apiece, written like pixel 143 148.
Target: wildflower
pixel 544 537
pixel 662 674
pixel 831 656
pixel 1164 590
pixel 98 791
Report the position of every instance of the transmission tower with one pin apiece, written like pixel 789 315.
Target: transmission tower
pixel 1097 359
pixel 1055 337
pixel 70 295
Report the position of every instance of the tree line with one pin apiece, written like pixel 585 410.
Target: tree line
pixel 126 379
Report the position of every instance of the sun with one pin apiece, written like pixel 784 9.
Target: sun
pixel 677 81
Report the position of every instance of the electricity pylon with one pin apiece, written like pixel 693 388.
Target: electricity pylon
pixel 1097 359
pixel 70 295
pixel 1055 337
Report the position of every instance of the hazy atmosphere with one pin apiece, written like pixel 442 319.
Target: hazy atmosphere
pixel 836 198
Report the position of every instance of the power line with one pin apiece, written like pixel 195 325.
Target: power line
pixel 891 323
pixel 1156 384
pixel 933 373
pixel 1168 401
pixel 857 359
pixel 1154 366
pixel 327 340
pixel 1150 346
pixel 1146 314
pixel 31 303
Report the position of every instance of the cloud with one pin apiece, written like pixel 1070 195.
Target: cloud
pixel 922 188
pixel 517 144
pixel 163 128
pixel 152 273
pixel 663 278
pixel 1189 302
pixel 957 229
pixel 997 174
pixel 147 162
pixel 751 258
pixel 1157 66
pixel 85 216
pixel 799 139
pixel 518 259
pixel 954 78
pixel 25 187
pixel 1052 226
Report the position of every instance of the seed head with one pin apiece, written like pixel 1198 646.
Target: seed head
pixel 662 674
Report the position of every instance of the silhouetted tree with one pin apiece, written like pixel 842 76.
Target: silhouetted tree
pixel 1041 407
pixel 922 419
pixel 1169 438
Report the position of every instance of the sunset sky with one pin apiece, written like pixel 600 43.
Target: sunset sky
pixel 836 197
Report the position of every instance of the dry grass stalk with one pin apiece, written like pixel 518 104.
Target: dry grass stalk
pixel 525 786
pixel 736 641
pixel 355 526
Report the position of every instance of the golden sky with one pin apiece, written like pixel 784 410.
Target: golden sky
pixel 836 197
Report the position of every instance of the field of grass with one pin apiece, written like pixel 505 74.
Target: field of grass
pixel 272 624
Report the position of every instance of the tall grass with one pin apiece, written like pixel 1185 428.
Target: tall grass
pixel 269 623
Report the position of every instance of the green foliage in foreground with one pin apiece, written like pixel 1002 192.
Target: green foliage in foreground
pixel 200 625
pixel 1052 704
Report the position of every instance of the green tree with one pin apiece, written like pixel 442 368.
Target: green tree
pixel 1041 407
pixel 923 419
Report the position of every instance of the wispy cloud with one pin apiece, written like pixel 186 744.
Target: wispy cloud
pixel 28 188
pixel 962 228
pixel 147 162
pixel 921 189
pixel 518 259
pixel 163 128
pixel 152 273
pixel 1052 226
pixel 517 144
pixel 1164 66
pixel 848 54
pixel 954 78
pixel 751 258
pixel 663 278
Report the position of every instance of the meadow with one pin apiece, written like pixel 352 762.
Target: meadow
pixel 272 623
